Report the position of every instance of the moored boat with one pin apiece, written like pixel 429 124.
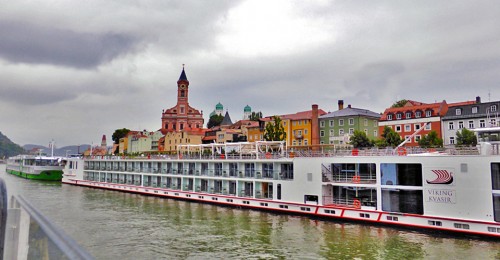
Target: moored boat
pixel 451 190
pixel 36 167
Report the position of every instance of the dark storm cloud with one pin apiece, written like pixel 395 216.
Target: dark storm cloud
pixel 36 44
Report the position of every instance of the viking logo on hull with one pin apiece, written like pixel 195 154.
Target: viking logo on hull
pixel 442 177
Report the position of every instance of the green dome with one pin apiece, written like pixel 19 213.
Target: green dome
pixel 219 106
pixel 247 109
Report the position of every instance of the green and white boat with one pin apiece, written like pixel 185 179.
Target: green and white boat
pixel 36 167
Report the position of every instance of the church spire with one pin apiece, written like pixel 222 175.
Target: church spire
pixel 183 74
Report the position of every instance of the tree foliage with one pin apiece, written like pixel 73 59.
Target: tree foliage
pixel 215 120
pixel 389 138
pixel 8 148
pixel 466 137
pixel 431 140
pixel 274 130
pixel 119 134
pixel 400 103
pixel 359 139
pixel 255 116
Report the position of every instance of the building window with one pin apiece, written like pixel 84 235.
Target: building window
pixel 427 127
pixel 471 124
pixel 366 132
pixel 331 123
pixel 418 114
pixel 398 116
pixel 408 115
pixel 322 133
pixel 389 117
pixel 305 131
pixel 332 132
pixel 493 108
pixel 451 126
pixel 299 122
pixel 458 111
pixel 398 128
pixel 341 132
pixel 474 110
pixel 305 142
pixel 322 124
pixel 452 140
pixel 375 123
pixel 351 131
pixel 416 127
pixel 460 124
pixel 341 122
pixel 482 123
pixel 428 113
pixel 417 138
pixel 351 121
pixel 366 122
pixel 408 138
pixel 407 128
pixel 493 122
pixel 375 133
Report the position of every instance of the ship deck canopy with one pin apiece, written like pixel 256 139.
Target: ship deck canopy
pixel 240 149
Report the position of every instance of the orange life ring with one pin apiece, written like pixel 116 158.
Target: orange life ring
pixel 355 152
pixel 402 151
pixel 357 204
pixel 356 179
pixel 222 156
pixel 268 155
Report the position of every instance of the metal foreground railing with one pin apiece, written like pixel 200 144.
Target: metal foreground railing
pixel 26 234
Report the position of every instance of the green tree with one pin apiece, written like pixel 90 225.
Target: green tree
pixel 389 138
pixel 431 140
pixel 215 120
pixel 359 139
pixel 255 116
pixel 466 137
pixel 400 103
pixel 119 134
pixel 274 130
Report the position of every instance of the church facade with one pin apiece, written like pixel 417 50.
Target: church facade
pixel 182 115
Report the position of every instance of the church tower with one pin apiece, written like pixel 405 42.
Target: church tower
pixel 181 116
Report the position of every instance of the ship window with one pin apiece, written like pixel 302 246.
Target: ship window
pixel 401 174
pixel 495 176
pixel 278 196
pixel 283 207
pixel 403 201
pixel 435 223
pixel 496 207
pixel 462 226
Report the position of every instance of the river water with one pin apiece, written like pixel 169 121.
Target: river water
pixel 117 225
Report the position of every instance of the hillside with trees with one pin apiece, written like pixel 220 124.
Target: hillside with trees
pixel 8 148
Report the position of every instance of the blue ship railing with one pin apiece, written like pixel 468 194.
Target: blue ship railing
pixel 26 234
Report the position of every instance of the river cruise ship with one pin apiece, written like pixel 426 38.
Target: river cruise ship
pixel 36 167
pixel 451 190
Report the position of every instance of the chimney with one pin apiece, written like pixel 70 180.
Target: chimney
pixel 341 104
pixel 478 100
pixel 314 127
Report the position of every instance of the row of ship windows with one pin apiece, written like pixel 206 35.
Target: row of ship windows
pixel 362 215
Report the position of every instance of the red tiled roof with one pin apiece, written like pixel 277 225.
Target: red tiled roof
pixel 302 115
pixel 438 109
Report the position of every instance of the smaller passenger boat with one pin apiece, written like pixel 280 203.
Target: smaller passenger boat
pixel 36 167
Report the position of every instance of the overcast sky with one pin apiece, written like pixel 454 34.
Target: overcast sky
pixel 75 70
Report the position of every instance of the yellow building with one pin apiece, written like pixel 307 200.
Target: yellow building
pixel 299 128
pixel 186 136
